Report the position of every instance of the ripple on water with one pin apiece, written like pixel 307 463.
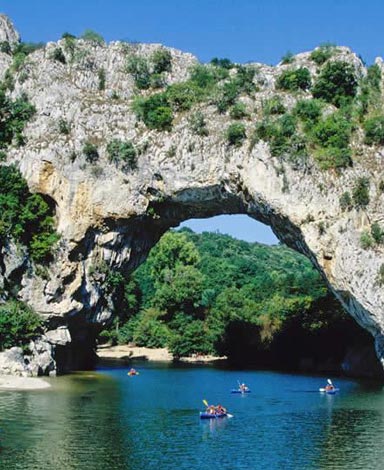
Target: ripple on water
pixel 105 421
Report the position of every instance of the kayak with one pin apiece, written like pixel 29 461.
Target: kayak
pixel 332 391
pixel 205 415
pixel 236 390
pixel 132 373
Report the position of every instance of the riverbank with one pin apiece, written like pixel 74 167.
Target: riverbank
pixel 126 354
pixel 9 382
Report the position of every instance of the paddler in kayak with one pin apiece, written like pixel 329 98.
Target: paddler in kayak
pixel 243 387
pixel 220 410
pixel 132 371
pixel 329 386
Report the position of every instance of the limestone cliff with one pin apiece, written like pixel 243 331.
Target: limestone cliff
pixel 110 216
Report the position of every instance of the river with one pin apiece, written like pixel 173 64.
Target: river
pixel 107 420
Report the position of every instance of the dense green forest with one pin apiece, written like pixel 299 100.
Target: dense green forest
pixel 213 294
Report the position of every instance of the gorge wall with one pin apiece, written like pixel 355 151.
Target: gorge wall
pixel 109 215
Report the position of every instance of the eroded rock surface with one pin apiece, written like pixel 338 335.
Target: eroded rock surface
pixel 109 217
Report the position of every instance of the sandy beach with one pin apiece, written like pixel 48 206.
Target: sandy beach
pixel 10 382
pixel 126 353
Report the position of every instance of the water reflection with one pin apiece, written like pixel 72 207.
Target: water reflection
pixel 354 437
pixel 65 428
pixel 107 421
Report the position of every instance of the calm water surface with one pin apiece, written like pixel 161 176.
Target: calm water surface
pixel 107 420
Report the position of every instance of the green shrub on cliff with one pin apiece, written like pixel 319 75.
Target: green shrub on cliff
pixel 236 134
pixel 294 80
pixel 322 53
pixel 124 153
pixel 336 84
pixel 332 135
pixel 154 111
pixel 18 325
pixel 161 60
pixel 90 152
pixel 360 192
pixel 374 130
pixel 14 114
pixel 92 36
pixel 25 217
pixel 139 68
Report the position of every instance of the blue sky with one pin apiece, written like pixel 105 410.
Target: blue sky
pixel 241 30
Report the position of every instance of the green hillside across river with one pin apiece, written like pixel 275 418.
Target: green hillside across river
pixel 212 294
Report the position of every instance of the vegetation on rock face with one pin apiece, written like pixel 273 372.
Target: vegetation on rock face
pixel 123 153
pixel 294 80
pixel 374 130
pixel 360 192
pixel 336 84
pixel 18 325
pixel 90 152
pixel 322 53
pixel 25 217
pixel 92 36
pixel 206 83
pixel 236 134
pixel 14 114
pixel 211 293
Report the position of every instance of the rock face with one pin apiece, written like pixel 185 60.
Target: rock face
pixel 109 217
pixel 7 31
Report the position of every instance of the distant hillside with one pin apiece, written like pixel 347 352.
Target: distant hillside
pixel 258 304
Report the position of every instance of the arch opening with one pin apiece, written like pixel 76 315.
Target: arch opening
pixel 288 339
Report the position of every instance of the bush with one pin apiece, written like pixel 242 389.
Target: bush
pixel 236 134
pixel 287 58
pixel 139 68
pixel 101 76
pixel 333 131
pixel 322 53
pixel 63 126
pixel 194 339
pixel 374 131
pixel 25 217
pixel 224 63
pixel 13 117
pixel 228 92
pixel 18 325
pixel 308 111
pixel 345 201
pixel 5 47
pixel 154 111
pixel 58 55
pixel 206 77
pixel 198 124
pixel 366 241
pixel 377 233
pixel 182 96
pixel 161 60
pixel 92 36
pixel 360 192
pixel 336 83
pixel 238 111
pixel 274 106
pixel 294 80
pixel 90 152
pixel 380 275
pixel 278 134
pixel 119 151
pixel 333 157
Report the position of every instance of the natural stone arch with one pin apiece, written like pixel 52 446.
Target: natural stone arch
pixel 112 215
